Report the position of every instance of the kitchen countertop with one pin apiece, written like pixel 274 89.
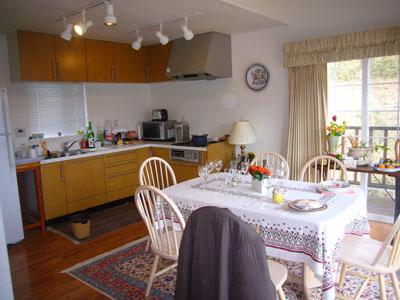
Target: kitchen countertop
pixel 121 148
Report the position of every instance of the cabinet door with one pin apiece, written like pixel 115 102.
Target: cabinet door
pixel 53 186
pixel 37 59
pixel 70 59
pixel 130 65
pixel 100 67
pixel 158 56
pixel 84 178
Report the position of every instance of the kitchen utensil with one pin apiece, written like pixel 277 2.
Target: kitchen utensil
pixel 181 132
pixel 159 115
pixel 199 140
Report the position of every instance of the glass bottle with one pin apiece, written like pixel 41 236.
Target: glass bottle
pixel 90 136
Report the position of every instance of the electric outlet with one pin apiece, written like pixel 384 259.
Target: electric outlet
pixel 20 132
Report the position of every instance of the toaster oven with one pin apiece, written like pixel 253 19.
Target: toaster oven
pixel 159 130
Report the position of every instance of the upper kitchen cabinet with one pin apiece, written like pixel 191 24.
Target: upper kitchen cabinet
pixel 70 59
pixel 114 62
pixel 45 57
pixel 158 56
pixel 32 56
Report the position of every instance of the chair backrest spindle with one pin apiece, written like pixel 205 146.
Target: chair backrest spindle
pixel 325 168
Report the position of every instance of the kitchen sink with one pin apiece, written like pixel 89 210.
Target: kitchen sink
pixel 73 153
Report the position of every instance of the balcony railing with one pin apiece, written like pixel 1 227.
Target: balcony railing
pixel 378 135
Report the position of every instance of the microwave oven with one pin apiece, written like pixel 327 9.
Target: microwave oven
pixel 159 130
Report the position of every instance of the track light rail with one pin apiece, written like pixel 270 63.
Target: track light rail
pixel 79 10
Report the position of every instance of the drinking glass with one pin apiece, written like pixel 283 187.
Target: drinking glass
pixel 203 172
pixel 218 165
pixel 244 168
pixel 210 166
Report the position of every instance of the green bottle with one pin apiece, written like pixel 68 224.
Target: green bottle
pixel 90 136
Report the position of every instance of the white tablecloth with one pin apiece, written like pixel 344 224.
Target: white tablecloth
pixel 311 238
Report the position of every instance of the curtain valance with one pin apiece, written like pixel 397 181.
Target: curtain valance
pixel 372 43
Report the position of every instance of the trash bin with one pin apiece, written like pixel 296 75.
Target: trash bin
pixel 80 225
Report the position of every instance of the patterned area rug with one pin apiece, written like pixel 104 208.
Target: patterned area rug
pixel 102 222
pixel 123 273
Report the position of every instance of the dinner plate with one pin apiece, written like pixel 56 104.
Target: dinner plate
pixel 394 170
pixel 333 186
pixel 307 205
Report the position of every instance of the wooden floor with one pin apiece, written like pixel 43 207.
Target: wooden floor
pixel 37 261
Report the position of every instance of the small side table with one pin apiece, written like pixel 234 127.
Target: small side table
pixel 35 167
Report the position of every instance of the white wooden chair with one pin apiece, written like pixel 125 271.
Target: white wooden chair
pixel 323 167
pixel 276 162
pixel 165 225
pixel 278 274
pixel 372 256
pixel 156 172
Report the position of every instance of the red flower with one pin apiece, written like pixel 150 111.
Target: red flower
pixel 334 118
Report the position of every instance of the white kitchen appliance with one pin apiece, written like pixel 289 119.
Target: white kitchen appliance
pixel 6 290
pixel 9 199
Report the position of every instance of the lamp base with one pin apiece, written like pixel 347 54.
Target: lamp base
pixel 242 150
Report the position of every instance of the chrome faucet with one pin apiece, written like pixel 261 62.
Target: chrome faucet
pixel 69 144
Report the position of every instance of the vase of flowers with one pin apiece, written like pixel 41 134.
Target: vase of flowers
pixel 259 176
pixel 335 131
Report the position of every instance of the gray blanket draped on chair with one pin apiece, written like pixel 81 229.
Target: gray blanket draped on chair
pixel 221 258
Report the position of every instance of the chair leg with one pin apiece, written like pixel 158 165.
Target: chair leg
pixel 147 245
pixel 342 275
pixel 307 275
pixel 382 286
pixel 153 272
pixel 395 283
pixel 281 294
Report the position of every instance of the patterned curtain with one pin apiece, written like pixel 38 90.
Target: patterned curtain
pixel 307 115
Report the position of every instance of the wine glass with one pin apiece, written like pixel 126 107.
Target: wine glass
pixel 203 172
pixel 244 168
pixel 210 166
pixel 218 165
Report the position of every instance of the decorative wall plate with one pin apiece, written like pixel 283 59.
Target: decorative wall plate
pixel 257 77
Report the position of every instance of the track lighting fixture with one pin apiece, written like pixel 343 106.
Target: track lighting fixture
pixel 162 38
pixel 138 42
pixel 187 33
pixel 109 19
pixel 66 34
pixel 82 27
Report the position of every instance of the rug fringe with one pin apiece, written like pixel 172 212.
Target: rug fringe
pixel 90 260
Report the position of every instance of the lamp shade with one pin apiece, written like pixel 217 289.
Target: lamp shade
pixel 242 133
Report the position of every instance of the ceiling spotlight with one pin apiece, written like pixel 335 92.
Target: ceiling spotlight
pixel 66 34
pixel 138 42
pixel 163 39
pixel 187 33
pixel 109 19
pixel 82 27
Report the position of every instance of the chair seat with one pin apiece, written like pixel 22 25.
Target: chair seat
pixel 360 252
pixel 163 250
pixel 278 273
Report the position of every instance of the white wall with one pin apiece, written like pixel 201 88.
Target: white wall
pixel 212 106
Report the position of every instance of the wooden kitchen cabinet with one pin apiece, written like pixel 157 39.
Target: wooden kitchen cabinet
pixel 31 56
pixel 99 61
pixel 158 57
pixel 53 188
pixel 70 59
pixel 84 178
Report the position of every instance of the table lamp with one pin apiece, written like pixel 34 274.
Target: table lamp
pixel 242 134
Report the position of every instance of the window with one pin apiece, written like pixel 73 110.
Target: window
pixel 365 93
pixel 55 108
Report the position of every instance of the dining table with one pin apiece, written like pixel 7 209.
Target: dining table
pixel 311 238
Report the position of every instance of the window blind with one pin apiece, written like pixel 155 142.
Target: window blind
pixel 56 108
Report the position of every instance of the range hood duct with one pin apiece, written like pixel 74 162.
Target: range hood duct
pixel 206 56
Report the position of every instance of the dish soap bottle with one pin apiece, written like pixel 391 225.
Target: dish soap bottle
pixel 90 136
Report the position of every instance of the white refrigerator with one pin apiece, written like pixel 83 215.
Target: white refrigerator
pixel 9 198
pixel 6 290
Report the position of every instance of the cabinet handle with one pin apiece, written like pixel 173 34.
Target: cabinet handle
pixel 62 172
pixel 116 72
pixel 53 70
pixel 148 73
pixel 59 70
pixel 112 72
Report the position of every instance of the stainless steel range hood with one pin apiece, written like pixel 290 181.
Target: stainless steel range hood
pixel 206 56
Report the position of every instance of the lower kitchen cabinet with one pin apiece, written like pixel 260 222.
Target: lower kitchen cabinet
pixel 84 178
pixel 53 187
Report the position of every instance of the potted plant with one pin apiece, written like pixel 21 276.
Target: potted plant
pixel 259 175
pixel 360 151
pixel 335 130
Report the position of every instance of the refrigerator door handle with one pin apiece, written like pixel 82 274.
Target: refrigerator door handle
pixel 8 130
